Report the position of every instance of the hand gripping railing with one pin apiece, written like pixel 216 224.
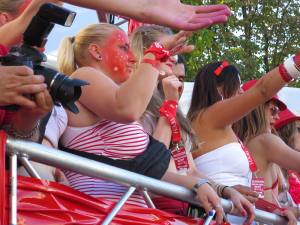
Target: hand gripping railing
pixel 56 158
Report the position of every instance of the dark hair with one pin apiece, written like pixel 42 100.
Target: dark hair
pixel 181 60
pixel 205 92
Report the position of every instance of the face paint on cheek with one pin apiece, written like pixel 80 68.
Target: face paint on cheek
pixel 117 59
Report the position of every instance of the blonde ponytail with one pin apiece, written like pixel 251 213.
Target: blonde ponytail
pixel 66 56
pixel 73 52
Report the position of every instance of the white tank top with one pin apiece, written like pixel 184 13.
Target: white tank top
pixel 227 165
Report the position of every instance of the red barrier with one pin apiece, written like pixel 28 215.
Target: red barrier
pixel 43 202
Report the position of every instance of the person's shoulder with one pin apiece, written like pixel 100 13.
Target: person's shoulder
pixel 268 140
pixel 86 72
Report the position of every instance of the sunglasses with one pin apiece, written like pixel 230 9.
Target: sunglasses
pixel 274 110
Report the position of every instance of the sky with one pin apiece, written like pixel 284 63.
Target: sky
pixel 82 19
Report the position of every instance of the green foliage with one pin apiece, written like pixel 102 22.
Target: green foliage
pixel 257 37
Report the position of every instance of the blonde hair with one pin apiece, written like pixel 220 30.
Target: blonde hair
pixel 144 36
pixel 72 51
pixel 10 6
pixel 140 40
pixel 252 125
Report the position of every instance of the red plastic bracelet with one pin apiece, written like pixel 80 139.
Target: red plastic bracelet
pixel 284 74
pixel 160 53
pixel 153 62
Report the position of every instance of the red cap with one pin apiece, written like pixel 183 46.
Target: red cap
pixel 246 86
pixel 285 117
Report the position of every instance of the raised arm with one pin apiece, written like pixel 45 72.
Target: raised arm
pixel 17 27
pixel 226 112
pixel 171 13
pixel 128 101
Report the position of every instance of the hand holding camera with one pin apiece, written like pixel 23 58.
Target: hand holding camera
pixel 18 81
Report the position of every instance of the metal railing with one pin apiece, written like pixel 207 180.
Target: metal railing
pixel 57 158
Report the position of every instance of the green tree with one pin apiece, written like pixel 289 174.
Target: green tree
pixel 259 35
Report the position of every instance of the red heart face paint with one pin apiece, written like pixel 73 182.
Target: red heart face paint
pixel 117 57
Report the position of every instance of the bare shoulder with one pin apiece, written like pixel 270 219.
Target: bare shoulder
pixel 86 73
pixel 268 141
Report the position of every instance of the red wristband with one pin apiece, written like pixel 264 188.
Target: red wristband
pixel 160 53
pixel 284 74
pixel 169 110
pixel 154 63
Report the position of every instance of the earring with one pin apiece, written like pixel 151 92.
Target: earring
pixel 99 57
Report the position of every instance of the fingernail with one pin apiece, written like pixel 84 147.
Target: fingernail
pixel 40 77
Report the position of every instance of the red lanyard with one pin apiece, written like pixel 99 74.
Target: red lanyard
pixel 252 164
pixel 169 109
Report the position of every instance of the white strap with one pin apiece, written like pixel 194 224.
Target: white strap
pixel 291 68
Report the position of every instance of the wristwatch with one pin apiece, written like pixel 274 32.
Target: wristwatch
pixel 199 184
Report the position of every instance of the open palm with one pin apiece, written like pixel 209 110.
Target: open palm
pixel 173 13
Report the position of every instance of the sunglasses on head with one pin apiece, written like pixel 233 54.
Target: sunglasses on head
pixel 274 110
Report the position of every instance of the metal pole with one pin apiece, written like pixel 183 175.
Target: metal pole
pixel 13 191
pixel 148 199
pixel 29 168
pixel 118 206
pixel 92 168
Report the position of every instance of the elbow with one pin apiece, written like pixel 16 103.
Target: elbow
pixel 130 116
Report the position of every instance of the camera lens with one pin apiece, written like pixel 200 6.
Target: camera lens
pixel 62 89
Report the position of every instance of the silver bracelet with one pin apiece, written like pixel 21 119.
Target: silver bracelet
pixel 199 184
pixel 21 135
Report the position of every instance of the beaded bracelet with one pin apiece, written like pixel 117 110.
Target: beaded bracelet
pixel 21 135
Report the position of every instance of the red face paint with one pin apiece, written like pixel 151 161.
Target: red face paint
pixel 118 58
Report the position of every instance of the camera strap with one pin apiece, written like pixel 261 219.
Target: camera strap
pixel 153 162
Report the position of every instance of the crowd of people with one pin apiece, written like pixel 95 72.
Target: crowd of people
pixel 238 141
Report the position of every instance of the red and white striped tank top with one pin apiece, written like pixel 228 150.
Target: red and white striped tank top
pixel 111 139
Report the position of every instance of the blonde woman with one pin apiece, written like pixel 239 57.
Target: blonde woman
pixel 110 105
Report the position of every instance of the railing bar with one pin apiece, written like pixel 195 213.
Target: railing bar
pixel 29 168
pixel 57 158
pixel 13 190
pixel 148 199
pixel 118 206
pixel 121 22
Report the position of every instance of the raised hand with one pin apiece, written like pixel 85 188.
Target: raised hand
pixel 177 43
pixel 173 13
pixel 171 86
pixel 170 13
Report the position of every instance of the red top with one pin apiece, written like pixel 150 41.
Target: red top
pixel 294 181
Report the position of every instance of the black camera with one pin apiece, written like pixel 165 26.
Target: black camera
pixel 63 90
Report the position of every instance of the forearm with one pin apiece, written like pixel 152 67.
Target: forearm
pixel 269 85
pixel 17 27
pixel 134 95
pixel 181 180
pixel 132 9
pixel 162 131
